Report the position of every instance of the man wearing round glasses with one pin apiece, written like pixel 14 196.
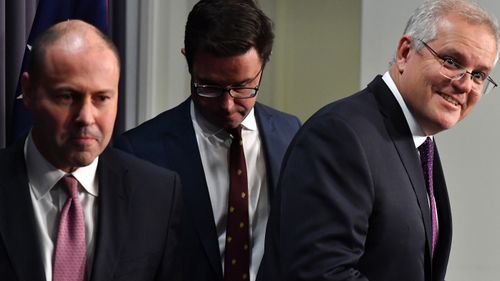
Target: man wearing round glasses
pixel 227 44
pixel 363 195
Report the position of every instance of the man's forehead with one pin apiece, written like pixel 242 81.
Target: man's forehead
pixel 456 32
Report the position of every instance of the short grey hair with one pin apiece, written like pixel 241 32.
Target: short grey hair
pixel 425 20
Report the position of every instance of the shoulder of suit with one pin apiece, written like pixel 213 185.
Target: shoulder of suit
pixel 264 109
pixel 177 115
pixel 133 164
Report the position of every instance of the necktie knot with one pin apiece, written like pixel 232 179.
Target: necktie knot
pixel 71 185
pixel 235 132
pixel 427 151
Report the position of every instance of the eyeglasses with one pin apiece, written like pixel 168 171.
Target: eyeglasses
pixel 237 92
pixel 452 70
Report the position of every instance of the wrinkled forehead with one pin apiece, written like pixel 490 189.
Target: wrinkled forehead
pixel 471 39
pixel 485 29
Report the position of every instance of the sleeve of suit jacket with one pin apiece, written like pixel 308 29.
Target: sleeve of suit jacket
pixel 326 197
pixel 171 263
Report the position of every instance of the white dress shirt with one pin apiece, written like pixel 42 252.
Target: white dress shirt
pixel 418 135
pixel 48 199
pixel 417 132
pixel 214 144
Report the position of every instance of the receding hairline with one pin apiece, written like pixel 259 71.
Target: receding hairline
pixel 87 31
pixel 63 33
pixel 429 16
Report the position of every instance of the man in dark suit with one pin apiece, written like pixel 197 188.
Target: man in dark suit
pixel 227 44
pixel 70 207
pixel 355 202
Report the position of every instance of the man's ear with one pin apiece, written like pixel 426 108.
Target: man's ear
pixel 403 52
pixel 183 51
pixel 27 89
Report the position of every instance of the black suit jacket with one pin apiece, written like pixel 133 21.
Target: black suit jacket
pixel 138 223
pixel 353 201
pixel 169 140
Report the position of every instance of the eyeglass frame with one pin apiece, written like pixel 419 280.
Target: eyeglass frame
pixel 488 78
pixel 229 89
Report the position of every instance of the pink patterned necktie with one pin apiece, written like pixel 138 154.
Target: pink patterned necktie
pixel 69 256
pixel 237 253
pixel 427 158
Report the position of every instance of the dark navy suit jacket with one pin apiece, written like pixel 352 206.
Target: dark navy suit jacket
pixel 353 201
pixel 138 225
pixel 169 140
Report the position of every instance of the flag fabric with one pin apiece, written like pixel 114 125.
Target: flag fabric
pixel 48 13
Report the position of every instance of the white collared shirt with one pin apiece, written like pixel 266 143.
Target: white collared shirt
pixel 417 132
pixel 214 144
pixel 48 199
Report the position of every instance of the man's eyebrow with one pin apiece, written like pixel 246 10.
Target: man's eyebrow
pixel 207 81
pixel 212 83
pixel 461 58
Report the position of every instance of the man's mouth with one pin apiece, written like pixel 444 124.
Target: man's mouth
pixel 450 100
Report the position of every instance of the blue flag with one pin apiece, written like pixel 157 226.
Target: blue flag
pixel 48 13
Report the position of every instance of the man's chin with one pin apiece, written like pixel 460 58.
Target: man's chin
pixel 231 125
pixel 228 123
pixel 233 121
pixel 83 158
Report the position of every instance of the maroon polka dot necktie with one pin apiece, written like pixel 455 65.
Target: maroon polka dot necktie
pixel 237 253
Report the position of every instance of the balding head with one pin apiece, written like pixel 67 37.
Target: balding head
pixel 72 92
pixel 71 35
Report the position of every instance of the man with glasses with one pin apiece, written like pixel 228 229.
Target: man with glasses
pixel 362 191
pixel 227 44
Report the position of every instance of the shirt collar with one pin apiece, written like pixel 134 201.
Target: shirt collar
pixel 250 123
pixel 43 176
pixel 417 133
pixel 211 131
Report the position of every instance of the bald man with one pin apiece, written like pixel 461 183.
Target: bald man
pixel 70 207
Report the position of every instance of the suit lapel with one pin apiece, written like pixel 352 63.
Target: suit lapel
pixel 400 133
pixel 409 158
pixel 440 260
pixel 181 145
pixel 112 216
pixel 267 130
pixel 17 221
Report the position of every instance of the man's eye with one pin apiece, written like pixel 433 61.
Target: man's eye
pixel 451 63
pixel 65 97
pixel 209 89
pixel 479 76
pixel 243 90
pixel 102 98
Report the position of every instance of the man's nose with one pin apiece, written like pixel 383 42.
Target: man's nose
pixel 85 113
pixel 465 84
pixel 227 99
